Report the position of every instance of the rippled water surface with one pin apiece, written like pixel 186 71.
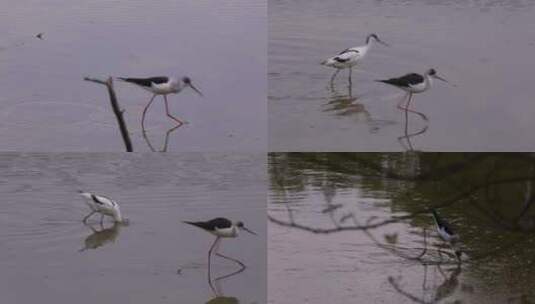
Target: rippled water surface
pixel 483 47
pixel 49 256
pixel 46 106
pixel 318 253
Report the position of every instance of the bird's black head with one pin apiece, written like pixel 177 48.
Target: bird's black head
pixel 187 82
pixel 374 36
pixel 370 36
pixel 432 72
pixel 241 226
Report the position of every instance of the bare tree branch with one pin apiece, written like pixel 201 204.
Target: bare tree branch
pixel 116 110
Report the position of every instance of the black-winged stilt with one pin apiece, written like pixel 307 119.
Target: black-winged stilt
pixel 221 228
pixel 162 85
pixel 103 205
pixel 413 83
pixel 351 56
pixel 446 232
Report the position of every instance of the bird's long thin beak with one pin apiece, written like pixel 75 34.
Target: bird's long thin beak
pixel 442 79
pixel 382 42
pixel 195 89
pixel 246 229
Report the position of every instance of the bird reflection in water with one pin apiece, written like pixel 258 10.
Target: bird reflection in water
pixel 223 300
pixel 446 289
pixel 99 238
pixel 405 139
pixel 165 142
pixel 215 286
pixel 347 105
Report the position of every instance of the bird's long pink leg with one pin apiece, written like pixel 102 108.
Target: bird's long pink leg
pixel 231 259
pixel 406 108
pixel 334 76
pixel 145 112
pixel 210 252
pixel 88 216
pixel 226 257
pixel 169 114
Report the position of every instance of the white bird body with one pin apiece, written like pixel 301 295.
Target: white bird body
pixel 230 232
pixel 420 87
pixel 161 85
pixel 102 205
pixel 413 82
pixel 348 58
pixel 444 229
pixel 172 86
pixel 222 228
pixel 445 235
pixel 351 56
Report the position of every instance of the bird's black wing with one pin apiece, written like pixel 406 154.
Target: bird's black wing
pixel 340 58
pixel 348 50
pixel 404 81
pixel 211 225
pixel 146 82
pixel 447 227
pixel 96 200
pixel 442 223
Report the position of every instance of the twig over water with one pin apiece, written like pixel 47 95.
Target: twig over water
pixel 116 110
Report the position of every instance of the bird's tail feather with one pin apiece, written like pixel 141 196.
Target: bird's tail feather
pixel 196 224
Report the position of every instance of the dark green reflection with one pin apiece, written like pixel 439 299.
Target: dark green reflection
pixel 488 196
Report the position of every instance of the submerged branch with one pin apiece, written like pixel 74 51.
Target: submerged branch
pixel 116 110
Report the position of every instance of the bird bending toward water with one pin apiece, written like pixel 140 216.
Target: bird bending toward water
pixel 161 85
pixel 446 232
pixel 221 228
pixel 351 56
pixel 103 205
pixel 413 83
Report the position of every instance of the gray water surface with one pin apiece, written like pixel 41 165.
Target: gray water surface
pixel 484 48
pixel 46 106
pixel 49 256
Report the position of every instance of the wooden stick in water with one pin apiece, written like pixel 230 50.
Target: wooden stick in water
pixel 116 110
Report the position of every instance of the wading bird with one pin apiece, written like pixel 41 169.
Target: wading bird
pixel 161 85
pixel 413 83
pixel 103 205
pixel 221 228
pixel 446 232
pixel 351 56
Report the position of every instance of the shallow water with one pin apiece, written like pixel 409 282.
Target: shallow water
pixel 484 48
pixel 49 256
pixel 46 106
pixel 480 195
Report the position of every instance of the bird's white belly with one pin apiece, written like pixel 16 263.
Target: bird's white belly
pixel 101 209
pixel 417 88
pixel 226 232
pixel 164 88
pixel 444 235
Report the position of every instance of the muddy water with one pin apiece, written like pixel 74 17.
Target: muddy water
pixel 49 256
pixel 484 48
pixel 46 106
pixel 325 193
